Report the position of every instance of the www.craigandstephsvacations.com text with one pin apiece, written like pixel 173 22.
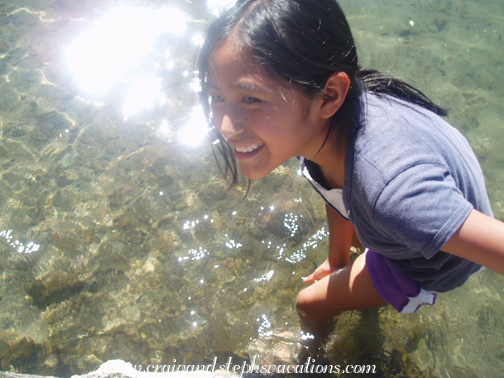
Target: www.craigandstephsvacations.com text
pixel 309 367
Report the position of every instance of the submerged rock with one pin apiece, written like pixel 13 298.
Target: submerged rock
pixel 440 23
pixel 54 287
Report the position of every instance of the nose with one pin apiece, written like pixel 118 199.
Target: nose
pixel 231 124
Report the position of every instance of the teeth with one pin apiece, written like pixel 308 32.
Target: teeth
pixel 249 148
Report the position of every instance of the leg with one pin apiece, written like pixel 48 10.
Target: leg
pixel 347 289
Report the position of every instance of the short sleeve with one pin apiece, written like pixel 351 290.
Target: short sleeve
pixel 421 208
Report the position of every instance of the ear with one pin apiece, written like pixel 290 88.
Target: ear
pixel 334 94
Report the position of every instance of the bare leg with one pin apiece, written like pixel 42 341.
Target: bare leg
pixel 347 289
pixel 314 341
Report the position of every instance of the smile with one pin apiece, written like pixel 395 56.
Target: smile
pixel 249 148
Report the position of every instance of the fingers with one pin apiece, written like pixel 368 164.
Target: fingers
pixel 310 278
pixel 317 275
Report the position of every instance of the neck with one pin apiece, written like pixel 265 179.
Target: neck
pixel 331 160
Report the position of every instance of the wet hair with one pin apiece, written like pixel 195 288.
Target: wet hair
pixel 299 43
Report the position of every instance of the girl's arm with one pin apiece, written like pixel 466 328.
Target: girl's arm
pixel 341 233
pixel 480 239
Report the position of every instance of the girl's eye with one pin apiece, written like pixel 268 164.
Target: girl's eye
pixel 251 100
pixel 216 98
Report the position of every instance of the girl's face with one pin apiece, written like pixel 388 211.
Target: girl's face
pixel 267 123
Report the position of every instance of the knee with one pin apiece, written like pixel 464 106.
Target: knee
pixel 309 309
pixel 314 309
pixel 302 305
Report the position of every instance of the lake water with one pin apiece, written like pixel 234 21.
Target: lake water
pixel 118 239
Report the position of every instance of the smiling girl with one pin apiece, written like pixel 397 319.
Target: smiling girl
pixel 281 79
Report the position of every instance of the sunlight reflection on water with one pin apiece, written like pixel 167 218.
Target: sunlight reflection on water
pixel 118 42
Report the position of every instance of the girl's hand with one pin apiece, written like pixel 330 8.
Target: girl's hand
pixel 323 270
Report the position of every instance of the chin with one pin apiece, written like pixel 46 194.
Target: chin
pixel 254 175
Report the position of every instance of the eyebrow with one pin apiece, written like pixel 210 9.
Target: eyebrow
pixel 251 87
pixel 244 85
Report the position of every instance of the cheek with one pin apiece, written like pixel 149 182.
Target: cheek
pixel 279 127
pixel 264 122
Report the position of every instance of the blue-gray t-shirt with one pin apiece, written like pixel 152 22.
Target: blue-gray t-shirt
pixel 411 180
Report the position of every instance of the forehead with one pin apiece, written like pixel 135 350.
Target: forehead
pixel 228 63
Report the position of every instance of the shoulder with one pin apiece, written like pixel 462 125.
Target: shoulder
pixel 395 135
pixel 392 123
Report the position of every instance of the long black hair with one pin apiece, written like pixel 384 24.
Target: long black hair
pixel 301 42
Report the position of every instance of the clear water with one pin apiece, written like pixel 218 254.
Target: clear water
pixel 118 239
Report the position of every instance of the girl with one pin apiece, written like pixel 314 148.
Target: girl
pixel 280 79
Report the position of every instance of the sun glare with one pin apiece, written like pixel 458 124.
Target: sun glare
pixel 144 93
pixel 196 128
pixel 218 6
pixel 118 42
